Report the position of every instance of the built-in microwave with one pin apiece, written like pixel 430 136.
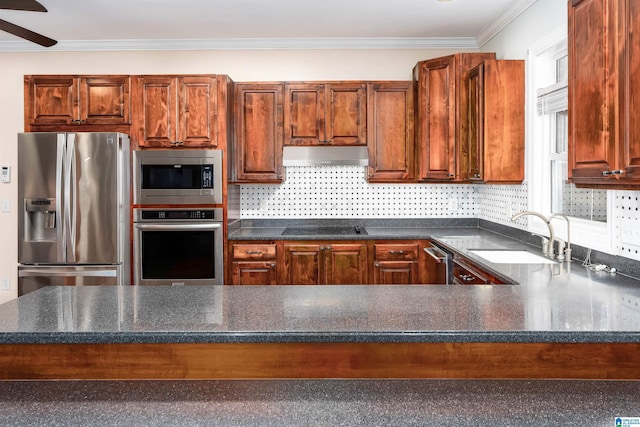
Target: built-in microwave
pixel 177 177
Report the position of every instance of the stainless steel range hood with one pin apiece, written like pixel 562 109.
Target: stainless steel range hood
pixel 325 156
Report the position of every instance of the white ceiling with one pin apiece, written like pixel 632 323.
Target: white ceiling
pixel 157 24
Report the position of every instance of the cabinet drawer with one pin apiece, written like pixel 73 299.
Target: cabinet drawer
pixel 266 251
pixel 396 251
pixel 465 275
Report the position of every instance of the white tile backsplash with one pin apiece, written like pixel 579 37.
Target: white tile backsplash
pixel 343 192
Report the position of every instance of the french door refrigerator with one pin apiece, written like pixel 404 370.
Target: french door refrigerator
pixel 73 221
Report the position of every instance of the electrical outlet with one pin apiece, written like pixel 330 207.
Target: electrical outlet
pixel 6 205
pixel 6 284
pixel 264 205
pixel 453 204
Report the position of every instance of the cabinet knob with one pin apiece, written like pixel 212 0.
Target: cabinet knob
pixel 476 175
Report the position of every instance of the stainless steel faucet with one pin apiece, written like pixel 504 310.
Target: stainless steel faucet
pixel 563 253
pixel 547 244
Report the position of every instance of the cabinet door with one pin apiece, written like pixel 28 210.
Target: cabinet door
pixel 156 101
pixel 593 90
pixel 197 111
pixel 105 100
pixel 476 113
pixel 496 122
pixel 253 273
pixel 259 132
pixel 52 100
pixel 630 107
pixel 302 264
pixel 395 273
pixel 346 114
pixel 390 131
pixel 437 120
pixel 346 264
pixel 304 117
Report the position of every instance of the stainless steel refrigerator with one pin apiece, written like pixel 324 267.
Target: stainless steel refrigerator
pixel 73 222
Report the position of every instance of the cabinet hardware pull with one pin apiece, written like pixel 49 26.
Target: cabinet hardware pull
pixel 396 252
pixel 476 175
pixel 613 172
pixel 273 265
pixel 254 252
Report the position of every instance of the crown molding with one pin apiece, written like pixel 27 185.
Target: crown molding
pixel 503 20
pixel 246 44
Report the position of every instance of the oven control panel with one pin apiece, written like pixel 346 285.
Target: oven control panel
pixel 155 215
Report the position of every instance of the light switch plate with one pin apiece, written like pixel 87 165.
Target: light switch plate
pixel 6 205
pixel 6 173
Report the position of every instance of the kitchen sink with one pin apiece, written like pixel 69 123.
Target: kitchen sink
pixel 511 256
pixel 324 231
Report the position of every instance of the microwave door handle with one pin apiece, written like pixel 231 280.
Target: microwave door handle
pixel 61 200
pixel 178 227
pixel 71 188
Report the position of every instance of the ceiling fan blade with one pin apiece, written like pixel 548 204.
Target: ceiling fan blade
pixel 26 34
pixel 28 5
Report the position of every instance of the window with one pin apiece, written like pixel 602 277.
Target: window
pixel 547 150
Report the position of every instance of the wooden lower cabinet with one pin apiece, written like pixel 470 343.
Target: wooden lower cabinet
pixel 253 264
pixel 324 263
pixel 330 262
pixel 396 263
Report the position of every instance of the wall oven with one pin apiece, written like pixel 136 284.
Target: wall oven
pixel 177 177
pixel 178 246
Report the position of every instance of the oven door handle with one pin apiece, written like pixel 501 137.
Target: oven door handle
pixel 177 227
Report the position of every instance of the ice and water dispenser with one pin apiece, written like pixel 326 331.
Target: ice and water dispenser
pixel 40 219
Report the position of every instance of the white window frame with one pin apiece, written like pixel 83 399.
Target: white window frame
pixel 589 234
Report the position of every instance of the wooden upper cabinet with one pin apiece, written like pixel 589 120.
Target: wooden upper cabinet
pixel 258 132
pixel 604 90
pixel 496 122
pixel 442 105
pixel 325 114
pixel 77 100
pixel 390 121
pixel 174 111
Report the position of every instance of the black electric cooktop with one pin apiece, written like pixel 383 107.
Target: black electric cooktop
pixel 324 231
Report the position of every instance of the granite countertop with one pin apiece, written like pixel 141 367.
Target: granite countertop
pixel 560 302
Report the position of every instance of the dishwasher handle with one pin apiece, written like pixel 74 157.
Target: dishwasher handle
pixel 437 254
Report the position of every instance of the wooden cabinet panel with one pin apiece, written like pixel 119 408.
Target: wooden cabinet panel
pixel 395 273
pixel 302 264
pixel 346 264
pixel 197 111
pixel 176 111
pixel 253 263
pixel 325 114
pixel 304 114
pixel 254 273
pixel 390 109
pixel 346 116
pixel 496 122
pixel 325 263
pixel 442 105
pixel 259 132
pixel 77 100
pixel 396 263
pixel 592 89
pixel 630 115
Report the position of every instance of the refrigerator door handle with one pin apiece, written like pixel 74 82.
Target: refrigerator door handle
pixel 61 198
pixel 63 272
pixel 71 188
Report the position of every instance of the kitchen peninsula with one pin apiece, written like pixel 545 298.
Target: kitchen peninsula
pixel 559 321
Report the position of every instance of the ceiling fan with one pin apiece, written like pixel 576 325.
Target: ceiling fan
pixel 16 30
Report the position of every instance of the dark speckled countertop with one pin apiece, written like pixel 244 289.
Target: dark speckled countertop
pixel 562 302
